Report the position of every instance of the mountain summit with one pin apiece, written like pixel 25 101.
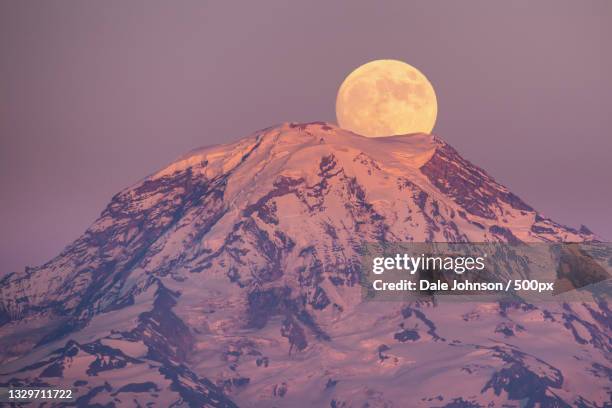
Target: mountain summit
pixel 231 278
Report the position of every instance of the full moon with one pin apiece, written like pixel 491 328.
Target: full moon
pixel 385 98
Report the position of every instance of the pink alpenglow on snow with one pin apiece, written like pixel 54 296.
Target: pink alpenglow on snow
pixel 231 278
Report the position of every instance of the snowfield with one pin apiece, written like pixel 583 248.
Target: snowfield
pixel 231 278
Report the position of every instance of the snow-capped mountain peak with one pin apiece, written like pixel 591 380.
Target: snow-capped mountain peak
pixel 231 277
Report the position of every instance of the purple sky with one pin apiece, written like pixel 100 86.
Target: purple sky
pixel 96 95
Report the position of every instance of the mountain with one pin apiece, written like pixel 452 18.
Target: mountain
pixel 231 278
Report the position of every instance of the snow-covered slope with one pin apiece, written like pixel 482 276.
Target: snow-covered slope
pixel 231 277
